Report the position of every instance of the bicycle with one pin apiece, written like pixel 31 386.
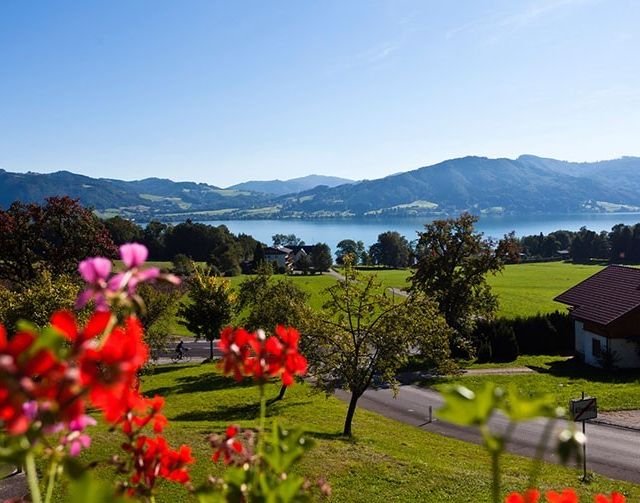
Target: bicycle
pixel 181 357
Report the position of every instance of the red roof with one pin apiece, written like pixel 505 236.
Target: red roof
pixel 605 296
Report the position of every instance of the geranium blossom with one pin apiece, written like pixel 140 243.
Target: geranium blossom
pixel 614 498
pixel 529 496
pixel 153 459
pixel 566 496
pixel 262 357
pixel 229 446
pixel 119 288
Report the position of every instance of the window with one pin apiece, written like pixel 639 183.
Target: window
pixel 596 348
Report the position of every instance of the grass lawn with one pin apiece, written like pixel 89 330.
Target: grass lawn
pixel 534 361
pixel 522 289
pixel 313 285
pixel 528 289
pixel 386 461
pixel 565 379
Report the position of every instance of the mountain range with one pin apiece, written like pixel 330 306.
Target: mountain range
pixel 525 185
pixel 282 187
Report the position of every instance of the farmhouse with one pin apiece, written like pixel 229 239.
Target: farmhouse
pixel 606 312
pixel 282 256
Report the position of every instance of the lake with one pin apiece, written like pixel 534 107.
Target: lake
pixel 332 231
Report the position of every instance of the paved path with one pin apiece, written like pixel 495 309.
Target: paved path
pixel 13 487
pixel 613 452
pixel 498 371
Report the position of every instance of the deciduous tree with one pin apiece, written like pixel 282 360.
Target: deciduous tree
pixel 321 257
pixel 362 333
pixel 391 249
pixel 211 307
pixel 53 236
pixel 267 303
pixel 453 261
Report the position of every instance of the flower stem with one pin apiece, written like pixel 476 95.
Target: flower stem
pixel 53 471
pixel 495 468
pixel 32 478
pixel 263 416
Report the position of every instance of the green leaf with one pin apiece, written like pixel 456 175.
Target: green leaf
pixel 522 408
pixel 463 406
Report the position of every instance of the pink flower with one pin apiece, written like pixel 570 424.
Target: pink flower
pixel 30 409
pixel 75 439
pixel 81 422
pixel 95 270
pixel 133 254
pixel 76 442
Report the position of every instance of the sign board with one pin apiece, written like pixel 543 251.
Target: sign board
pixel 583 409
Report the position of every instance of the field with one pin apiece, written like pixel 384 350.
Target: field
pixel 522 289
pixel 386 461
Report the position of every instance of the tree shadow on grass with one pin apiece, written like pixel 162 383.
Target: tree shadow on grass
pixel 241 412
pixel 162 369
pixel 573 368
pixel 324 435
pixel 200 383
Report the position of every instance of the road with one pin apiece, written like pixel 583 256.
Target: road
pixel 198 350
pixel 613 452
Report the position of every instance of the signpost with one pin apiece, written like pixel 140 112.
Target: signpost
pixel 582 410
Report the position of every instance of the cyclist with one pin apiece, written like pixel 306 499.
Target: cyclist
pixel 180 349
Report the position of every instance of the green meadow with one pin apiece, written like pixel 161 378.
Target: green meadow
pixel 522 289
pixel 385 461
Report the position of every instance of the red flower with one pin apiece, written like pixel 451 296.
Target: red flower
pixel 615 498
pixel 110 371
pixel 144 411
pixel 153 459
pixel 26 374
pixel 235 345
pixel 227 447
pixel 290 360
pixel 65 323
pixel 566 496
pixel 529 496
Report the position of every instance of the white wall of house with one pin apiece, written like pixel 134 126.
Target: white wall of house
pixel 280 258
pixel 626 351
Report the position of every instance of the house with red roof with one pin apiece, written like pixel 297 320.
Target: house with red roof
pixel 606 312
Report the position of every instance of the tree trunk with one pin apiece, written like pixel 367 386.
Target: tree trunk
pixel 211 349
pixel 350 412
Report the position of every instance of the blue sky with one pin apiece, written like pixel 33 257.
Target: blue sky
pixel 222 92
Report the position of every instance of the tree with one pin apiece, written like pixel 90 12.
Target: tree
pixel 211 306
pixel 54 236
pixel 588 244
pixel 258 256
pixel 361 334
pixel 183 266
pixel 153 237
pixel 321 257
pixel 286 240
pixel 37 299
pixel 303 264
pixel 453 261
pixel 350 247
pixel 161 302
pixel 123 231
pixel 391 249
pixel 266 303
pixel 510 248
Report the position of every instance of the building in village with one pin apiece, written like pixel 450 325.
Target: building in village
pixel 605 309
